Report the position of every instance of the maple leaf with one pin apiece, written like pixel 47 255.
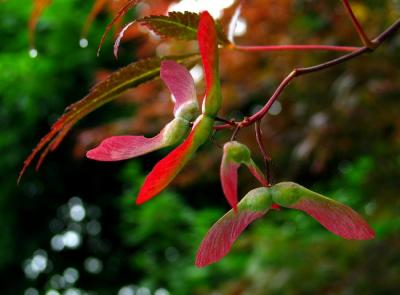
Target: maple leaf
pixel 179 25
pixel 121 12
pixel 102 93
pixel 38 7
pixel 235 154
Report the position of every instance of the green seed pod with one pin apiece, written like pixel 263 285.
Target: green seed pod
pixel 188 111
pixel 258 199
pixel 288 193
pixel 205 126
pixel 175 131
pixel 237 152
pixel 212 103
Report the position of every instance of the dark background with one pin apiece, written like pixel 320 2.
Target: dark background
pixel 73 227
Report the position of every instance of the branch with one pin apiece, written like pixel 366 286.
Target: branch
pixel 363 36
pixel 308 70
pixel 296 48
pixel 231 37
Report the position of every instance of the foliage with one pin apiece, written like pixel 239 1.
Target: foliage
pixel 178 25
pixel 334 216
pixel 311 142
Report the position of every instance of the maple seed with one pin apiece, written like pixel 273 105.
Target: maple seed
pixel 104 92
pixel 236 154
pixel 186 108
pixel 220 238
pixel 167 168
pixel 207 39
pixel 334 216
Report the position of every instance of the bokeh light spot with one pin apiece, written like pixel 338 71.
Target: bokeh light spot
pixel 71 239
pixel 71 275
pixel 83 43
pixel 93 265
pixel 31 291
pixel 77 212
pixel 161 291
pixel 127 290
pixel 33 53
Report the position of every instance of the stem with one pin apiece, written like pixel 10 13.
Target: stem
pixel 235 133
pixel 266 156
pixel 363 36
pixel 230 122
pixel 214 141
pixel 296 48
pixel 260 142
pixel 308 70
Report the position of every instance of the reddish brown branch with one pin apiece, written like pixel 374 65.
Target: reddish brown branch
pixel 363 36
pixel 308 70
pixel 296 48
pixel 230 122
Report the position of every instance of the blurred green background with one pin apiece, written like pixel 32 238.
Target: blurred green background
pixel 73 227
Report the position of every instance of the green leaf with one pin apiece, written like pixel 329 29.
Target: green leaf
pixel 102 93
pixel 179 25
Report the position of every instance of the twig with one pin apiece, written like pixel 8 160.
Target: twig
pixel 295 48
pixel 363 36
pixel 230 122
pixel 213 140
pixel 266 156
pixel 388 33
pixel 234 134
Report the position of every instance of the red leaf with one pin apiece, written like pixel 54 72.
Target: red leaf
pixel 179 82
pixel 102 93
pixel 38 7
pixel 166 170
pixel 337 218
pixel 97 7
pixel 179 25
pixel 118 148
pixel 120 14
pixel 220 238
